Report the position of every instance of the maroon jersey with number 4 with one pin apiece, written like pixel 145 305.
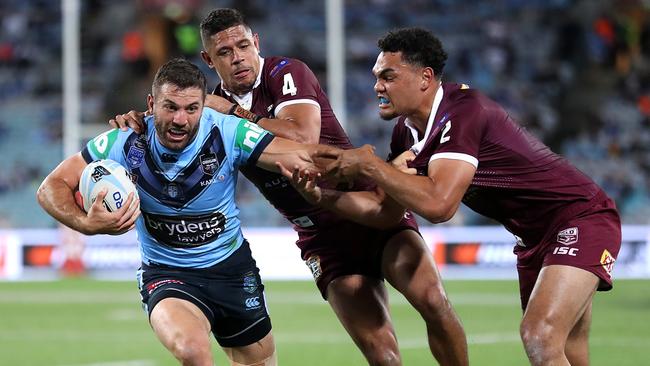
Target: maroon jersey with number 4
pixel 519 182
pixel 281 82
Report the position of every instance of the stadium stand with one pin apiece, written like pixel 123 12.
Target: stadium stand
pixel 576 73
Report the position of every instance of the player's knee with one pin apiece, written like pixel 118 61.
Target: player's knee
pixel 541 340
pixel 383 357
pixel 192 351
pixel 381 350
pixel 271 360
pixel 433 303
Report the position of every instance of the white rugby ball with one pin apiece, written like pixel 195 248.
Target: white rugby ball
pixel 110 175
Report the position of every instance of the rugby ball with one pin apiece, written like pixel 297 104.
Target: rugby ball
pixel 106 174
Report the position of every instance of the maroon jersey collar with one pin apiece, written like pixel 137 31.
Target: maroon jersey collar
pixel 419 144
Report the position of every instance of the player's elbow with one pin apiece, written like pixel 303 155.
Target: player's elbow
pixel 440 212
pixel 41 193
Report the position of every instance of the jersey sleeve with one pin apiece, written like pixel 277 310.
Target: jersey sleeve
pixel 108 145
pixel 245 141
pixel 460 137
pixel 291 82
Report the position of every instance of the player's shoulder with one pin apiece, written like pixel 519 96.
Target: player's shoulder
pixel 275 65
pixel 463 98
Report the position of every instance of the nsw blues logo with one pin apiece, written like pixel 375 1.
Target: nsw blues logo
pixel 250 283
pixel 135 156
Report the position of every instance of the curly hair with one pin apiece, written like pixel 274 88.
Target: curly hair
pixel 221 19
pixel 418 47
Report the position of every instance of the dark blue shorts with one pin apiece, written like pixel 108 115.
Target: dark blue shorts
pixel 230 294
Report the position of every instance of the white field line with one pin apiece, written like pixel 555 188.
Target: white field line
pixel 119 363
pixel 273 297
pixel 304 337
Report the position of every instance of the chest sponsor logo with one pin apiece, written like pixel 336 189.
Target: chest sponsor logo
pixel 607 260
pixel 185 231
pixel 135 156
pixel 209 163
pixel 568 236
pixel 313 263
pixel 279 182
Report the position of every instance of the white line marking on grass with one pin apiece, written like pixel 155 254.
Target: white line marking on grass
pixel 466 298
pixel 69 297
pixel 485 338
pixel 119 363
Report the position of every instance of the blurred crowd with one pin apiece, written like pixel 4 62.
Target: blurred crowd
pixel 575 73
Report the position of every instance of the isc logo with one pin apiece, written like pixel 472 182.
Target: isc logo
pixel 566 251
pixel 252 302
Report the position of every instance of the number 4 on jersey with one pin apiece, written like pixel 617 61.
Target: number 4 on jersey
pixel 289 87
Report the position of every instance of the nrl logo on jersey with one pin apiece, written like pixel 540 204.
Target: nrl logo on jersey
pixel 568 236
pixel 209 163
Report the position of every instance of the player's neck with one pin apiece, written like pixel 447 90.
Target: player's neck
pixel 420 116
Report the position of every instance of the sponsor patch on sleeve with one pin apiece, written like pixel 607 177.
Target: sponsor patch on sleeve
pixel 101 145
pixel 248 135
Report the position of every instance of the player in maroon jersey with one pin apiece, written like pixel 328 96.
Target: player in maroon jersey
pixel 348 260
pixel 461 146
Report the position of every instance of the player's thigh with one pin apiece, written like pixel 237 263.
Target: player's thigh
pixel 560 297
pixel 260 353
pixel 172 317
pixel 408 265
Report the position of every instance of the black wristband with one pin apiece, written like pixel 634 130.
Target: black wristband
pixel 240 112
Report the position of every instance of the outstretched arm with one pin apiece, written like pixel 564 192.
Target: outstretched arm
pixel 370 208
pixel 435 197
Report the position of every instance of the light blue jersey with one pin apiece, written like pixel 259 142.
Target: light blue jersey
pixel 187 198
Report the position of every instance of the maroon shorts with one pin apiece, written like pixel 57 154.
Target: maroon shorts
pixel 347 248
pixel 589 241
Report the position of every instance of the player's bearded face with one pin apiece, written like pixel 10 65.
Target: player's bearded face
pixel 234 54
pixel 177 113
pixel 396 85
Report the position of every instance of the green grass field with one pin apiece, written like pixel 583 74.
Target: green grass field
pixel 83 322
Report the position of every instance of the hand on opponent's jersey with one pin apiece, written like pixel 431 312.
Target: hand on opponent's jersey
pixel 401 162
pixel 305 183
pixel 100 221
pixel 132 119
pixel 347 164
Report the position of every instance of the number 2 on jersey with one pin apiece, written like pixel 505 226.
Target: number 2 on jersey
pixel 289 87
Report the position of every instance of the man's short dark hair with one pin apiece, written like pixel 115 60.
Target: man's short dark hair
pixel 220 19
pixel 181 73
pixel 418 46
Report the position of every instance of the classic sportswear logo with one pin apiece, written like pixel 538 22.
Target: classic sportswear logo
pixel 252 302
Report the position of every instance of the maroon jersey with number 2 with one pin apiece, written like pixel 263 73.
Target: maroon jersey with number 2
pixel 519 182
